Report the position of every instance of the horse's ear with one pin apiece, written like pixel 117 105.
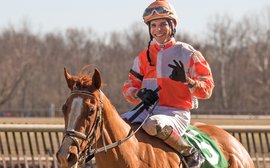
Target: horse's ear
pixel 69 79
pixel 96 79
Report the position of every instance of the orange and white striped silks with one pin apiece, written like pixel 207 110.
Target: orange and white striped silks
pixel 173 93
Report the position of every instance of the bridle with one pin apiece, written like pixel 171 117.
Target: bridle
pixel 91 136
pixel 88 153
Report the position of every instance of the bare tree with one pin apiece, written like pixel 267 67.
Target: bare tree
pixel 32 64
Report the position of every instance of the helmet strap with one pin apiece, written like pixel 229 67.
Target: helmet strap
pixel 149 43
pixel 173 29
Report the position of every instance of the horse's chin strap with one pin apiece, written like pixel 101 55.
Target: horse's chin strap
pixel 105 147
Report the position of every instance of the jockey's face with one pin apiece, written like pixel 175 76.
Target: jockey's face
pixel 160 30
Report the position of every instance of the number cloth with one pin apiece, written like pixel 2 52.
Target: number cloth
pixel 214 158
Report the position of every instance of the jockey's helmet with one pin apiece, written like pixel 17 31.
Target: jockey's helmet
pixel 160 9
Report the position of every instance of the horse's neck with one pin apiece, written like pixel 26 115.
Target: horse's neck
pixel 115 126
pixel 116 129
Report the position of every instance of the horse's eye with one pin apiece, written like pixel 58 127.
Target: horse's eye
pixel 92 110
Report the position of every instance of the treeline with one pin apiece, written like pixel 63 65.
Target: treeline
pixel 31 66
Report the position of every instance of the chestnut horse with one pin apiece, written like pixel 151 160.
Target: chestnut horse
pixel 93 126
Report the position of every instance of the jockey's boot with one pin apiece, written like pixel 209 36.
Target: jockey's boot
pixel 193 158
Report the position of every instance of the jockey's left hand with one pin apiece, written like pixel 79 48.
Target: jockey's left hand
pixel 148 97
pixel 178 72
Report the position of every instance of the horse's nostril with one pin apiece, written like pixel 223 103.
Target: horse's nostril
pixel 72 158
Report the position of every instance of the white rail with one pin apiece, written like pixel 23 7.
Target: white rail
pixel 38 143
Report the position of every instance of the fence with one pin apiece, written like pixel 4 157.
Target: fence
pixel 27 145
pixel 35 145
pixel 52 111
pixel 256 140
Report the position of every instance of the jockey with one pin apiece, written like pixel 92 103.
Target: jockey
pixel 183 75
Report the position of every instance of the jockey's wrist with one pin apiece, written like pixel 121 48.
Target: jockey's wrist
pixel 190 82
pixel 134 93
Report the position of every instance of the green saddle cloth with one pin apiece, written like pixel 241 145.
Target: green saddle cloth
pixel 214 158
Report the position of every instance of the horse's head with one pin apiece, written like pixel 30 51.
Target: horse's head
pixel 83 116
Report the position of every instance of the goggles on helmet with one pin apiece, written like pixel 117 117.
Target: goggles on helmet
pixel 157 9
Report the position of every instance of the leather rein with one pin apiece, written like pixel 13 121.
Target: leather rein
pixel 88 153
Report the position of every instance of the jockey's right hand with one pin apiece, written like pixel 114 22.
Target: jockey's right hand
pixel 148 97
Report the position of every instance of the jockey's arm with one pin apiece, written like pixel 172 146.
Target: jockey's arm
pixel 200 77
pixel 131 87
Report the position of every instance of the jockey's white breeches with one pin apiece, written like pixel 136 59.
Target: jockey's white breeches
pixel 176 118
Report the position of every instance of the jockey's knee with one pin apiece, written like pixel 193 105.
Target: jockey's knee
pixel 150 126
pixel 154 128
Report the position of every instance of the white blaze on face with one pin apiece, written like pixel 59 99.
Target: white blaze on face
pixel 75 112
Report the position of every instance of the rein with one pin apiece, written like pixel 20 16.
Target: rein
pixel 117 143
pixel 88 153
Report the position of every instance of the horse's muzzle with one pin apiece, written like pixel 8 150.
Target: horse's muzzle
pixel 67 154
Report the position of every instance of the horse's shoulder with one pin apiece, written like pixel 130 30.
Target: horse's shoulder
pixel 154 148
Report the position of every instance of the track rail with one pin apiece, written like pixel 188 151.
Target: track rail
pixel 27 145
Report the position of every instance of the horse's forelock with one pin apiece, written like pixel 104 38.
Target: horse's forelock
pixel 85 80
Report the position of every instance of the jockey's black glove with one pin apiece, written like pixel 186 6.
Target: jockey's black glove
pixel 178 72
pixel 148 97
